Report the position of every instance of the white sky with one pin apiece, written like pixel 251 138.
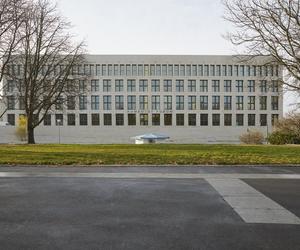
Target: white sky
pixel 152 27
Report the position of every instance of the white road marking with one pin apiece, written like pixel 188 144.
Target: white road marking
pixel 251 205
pixel 148 175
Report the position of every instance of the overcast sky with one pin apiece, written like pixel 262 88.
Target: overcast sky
pixel 151 27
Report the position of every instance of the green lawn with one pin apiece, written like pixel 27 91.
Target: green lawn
pixel 154 154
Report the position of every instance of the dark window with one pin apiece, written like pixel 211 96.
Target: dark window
pixel 119 119
pixel 168 119
pixel 216 119
pixel 227 119
pixel 11 119
pixel 251 119
pixel 204 119
pixel 156 119
pixel 192 119
pixel 179 119
pixel 71 102
pixel 143 119
pixel 71 119
pixel 131 119
pixel 107 121
pixel 263 119
pixel 240 120
pixel 59 119
pixel 95 119
pixel 47 120
pixel 83 121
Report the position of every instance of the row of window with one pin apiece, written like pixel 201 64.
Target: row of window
pixel 159 70
pixel 191 102
pixel 180 86
pixel 155 119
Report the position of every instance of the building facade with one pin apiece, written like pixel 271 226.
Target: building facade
pixel 192 99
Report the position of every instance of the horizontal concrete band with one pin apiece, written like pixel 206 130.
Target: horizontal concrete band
pixel 251 205
pixel 148 175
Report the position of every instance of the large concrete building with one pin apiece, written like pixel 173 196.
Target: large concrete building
pixel 192 99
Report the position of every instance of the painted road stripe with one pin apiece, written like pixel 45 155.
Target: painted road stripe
pixel 148 175
pixel 251 205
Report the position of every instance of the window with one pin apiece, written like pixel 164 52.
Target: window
pixel 179 119
pixel 94 85
pixel 240 119
pixel 227 119
pixel 170 70
pixel 156 119
pixel 206 72
pixel 227 85
pixel 59 119
pixel 179 85
pixel 119 119
pixel 128 69
pixel 164 69
pixel 229 72
pixel 216 119
pixel 192 85
pixel 131 119
pixel 192 119
pixel 10 85
pixel 212 70
pixel 204 119
pixel 263 119
pixel 251 119
pixel 82 86
pixel 21 103
pixel 144 119
pixel 83 102
pixel 251 86
pixel 143 85
pixel 134 70
pixel 83 121
pixel 215 102
pixel 152 70
pixel 168 85
pixel 107 120
pixel 119 102
pixel 122 70
pixel 274 118
pixel 224 70
pixel 11 103
pixel 71 103
pixel 11 119
pixel 158 70
pixel 104 71
pixel 239 102
pixel 110 69
pixel 143 102
pixel 59 103
pixel 188 70
pixel 239 86
pixel 179 102
pixel 155 100
pixel 274 102
pixel 263 102
pixel 155 85
pixel 106 85
pixel 192 102
pixel 95 102
pixel 251 102
pixel 47 120
pixel 203 102
pixel 275 86
pixel 95 119
pixel 71 119
pixel 194 70
pixel 119 85
pixel 168 119
pixel 203 85
pixel 263 86
pixel 200 70
pixel 131 102
pixel 182 70
pixel 107 102
pixel 116 70
pixel 130 85
pixel 215 85
pixel 227 103
pixel 167 102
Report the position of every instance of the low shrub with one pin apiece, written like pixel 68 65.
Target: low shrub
pixel 252 137
pixel 280 137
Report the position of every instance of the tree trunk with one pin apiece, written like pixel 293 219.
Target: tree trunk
pixel 30 138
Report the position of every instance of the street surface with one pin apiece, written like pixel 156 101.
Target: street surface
pixel 150 208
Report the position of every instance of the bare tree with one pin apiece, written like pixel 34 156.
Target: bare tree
pixel 11 18
pixel 269 27
pixel 48 57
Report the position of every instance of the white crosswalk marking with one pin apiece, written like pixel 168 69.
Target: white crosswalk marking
pixel 251 205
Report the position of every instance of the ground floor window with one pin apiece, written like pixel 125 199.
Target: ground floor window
pixel 168 119
pixel 107 121
pixel 71 119
pixel 192 119
pixel 95 119
pixel 251 119
pixel 131 119
pixel 227 119
pixel 47 120
pixel 59 119
pixel 143 119
pixel 204 119
pixel 83 121
pixel 216 119
pixel 239 119
pixel 179 119
pixel 11 119
pixel 155 119
pixel 119 119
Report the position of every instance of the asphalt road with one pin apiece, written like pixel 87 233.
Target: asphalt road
pixel 51 212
